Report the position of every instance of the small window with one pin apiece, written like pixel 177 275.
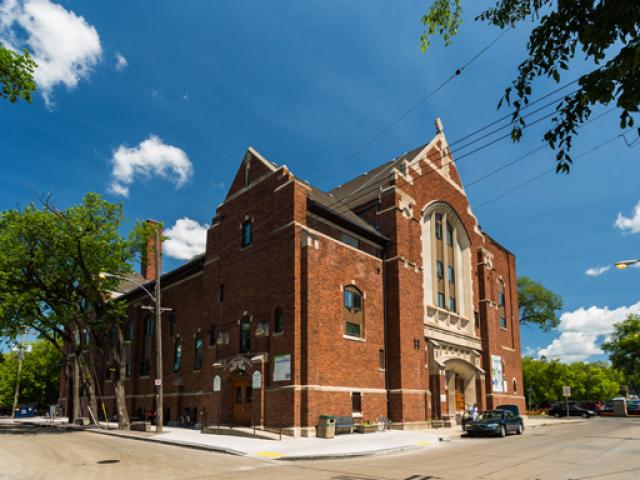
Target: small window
pixel 449 235
pixel 515 386
pixel 172 323
pixel 278 321
pixel 352 300
pixel 145 368
pixel 197 354
pixel 349 240
pixel 439 269
pixel 212 335
pixel 177 356
pixel 501 299
pixel 381 362
pixel 438 226
pixel 476 317
pixel 353 312
pixel 352 329
pixel 221 293
pixel 148 326
pixel 441 302
pixel 247 234
pixel 503 323
pixel 356 402
pixel 452 304
pixel 452 275
pixel 128 332
pixel 245 335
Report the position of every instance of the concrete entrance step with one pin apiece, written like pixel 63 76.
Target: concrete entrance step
pixel 248 432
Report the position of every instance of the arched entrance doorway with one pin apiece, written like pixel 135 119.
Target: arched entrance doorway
pixel 238 374
pixel 460 384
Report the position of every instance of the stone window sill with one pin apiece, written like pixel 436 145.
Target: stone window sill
pixel 354 339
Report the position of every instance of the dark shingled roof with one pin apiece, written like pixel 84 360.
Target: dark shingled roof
pixel 340 201
pixel 353 191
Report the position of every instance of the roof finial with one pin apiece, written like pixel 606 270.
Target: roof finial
pixel 439 126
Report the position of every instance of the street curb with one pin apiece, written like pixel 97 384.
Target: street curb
pixel 175 443
pixel 553 423
pixel 339 456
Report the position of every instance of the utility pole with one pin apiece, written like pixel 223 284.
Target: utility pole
pixel 158 315
pixel 20 351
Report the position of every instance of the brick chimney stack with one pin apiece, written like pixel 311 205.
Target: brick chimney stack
pixel 148 263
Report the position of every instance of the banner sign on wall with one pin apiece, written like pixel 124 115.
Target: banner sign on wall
pixel 497 379
pixel 281 367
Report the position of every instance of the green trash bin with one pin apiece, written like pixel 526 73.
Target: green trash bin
pixel 327 427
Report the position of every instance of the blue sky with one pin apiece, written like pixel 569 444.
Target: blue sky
pixel 193 84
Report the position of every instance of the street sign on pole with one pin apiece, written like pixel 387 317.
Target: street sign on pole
pixel 566 393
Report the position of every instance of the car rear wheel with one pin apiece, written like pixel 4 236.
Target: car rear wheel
pixel 585 415
pixel 503 431
pixel 557 415
pixel 520 429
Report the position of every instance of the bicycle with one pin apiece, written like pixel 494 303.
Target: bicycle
pixel 383 423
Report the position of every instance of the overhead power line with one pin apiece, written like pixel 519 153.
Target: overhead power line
pixel 546 172
pixel 411 109
pixel 363 191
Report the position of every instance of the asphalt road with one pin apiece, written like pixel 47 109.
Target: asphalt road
pixel 600 448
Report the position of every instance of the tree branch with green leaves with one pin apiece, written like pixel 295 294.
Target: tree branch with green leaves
pixel 606 33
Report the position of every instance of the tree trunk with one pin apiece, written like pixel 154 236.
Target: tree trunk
pixel 90 385
pixel 75 403
pixel 120 362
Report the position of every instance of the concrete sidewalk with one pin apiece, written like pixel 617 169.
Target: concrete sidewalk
pixel 289 448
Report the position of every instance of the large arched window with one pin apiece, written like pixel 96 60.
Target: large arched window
pixel 447 263
pixel 353 312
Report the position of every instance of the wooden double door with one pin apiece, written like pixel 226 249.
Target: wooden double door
pixel 242 401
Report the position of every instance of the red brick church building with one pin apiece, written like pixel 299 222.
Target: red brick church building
pixel 382 296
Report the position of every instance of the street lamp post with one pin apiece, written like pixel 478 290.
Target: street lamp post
pixel 157 308
pixel 158 314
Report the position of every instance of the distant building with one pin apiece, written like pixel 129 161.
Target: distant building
pixel 380 297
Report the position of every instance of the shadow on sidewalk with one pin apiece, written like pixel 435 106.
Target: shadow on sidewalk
pixel 31 429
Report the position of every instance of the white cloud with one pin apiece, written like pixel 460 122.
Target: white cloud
pixel 596 271
pixel 582 329
pixel 121 62
pixel 151 157
pixel 629 224
pixel 572 347
pixel 187 239
pixel 64 45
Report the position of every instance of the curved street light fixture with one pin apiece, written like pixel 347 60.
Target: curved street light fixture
pixel 121 277
pixel 622 264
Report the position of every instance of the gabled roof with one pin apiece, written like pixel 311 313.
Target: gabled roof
pixel 353 191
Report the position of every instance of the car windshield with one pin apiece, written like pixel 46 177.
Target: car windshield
pixel 491 414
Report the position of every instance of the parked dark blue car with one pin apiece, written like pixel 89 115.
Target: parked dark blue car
pixel 25 411
pixel 495 422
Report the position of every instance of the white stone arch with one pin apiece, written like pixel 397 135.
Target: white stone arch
pixel 462 262
pixel 460 370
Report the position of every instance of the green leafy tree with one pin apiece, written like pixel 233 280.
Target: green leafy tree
pixel 538 305
pixel 544 379
pixel 16 75
pixel 39 379
pixel 605 33
pixel 624 349
pixel 50 261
